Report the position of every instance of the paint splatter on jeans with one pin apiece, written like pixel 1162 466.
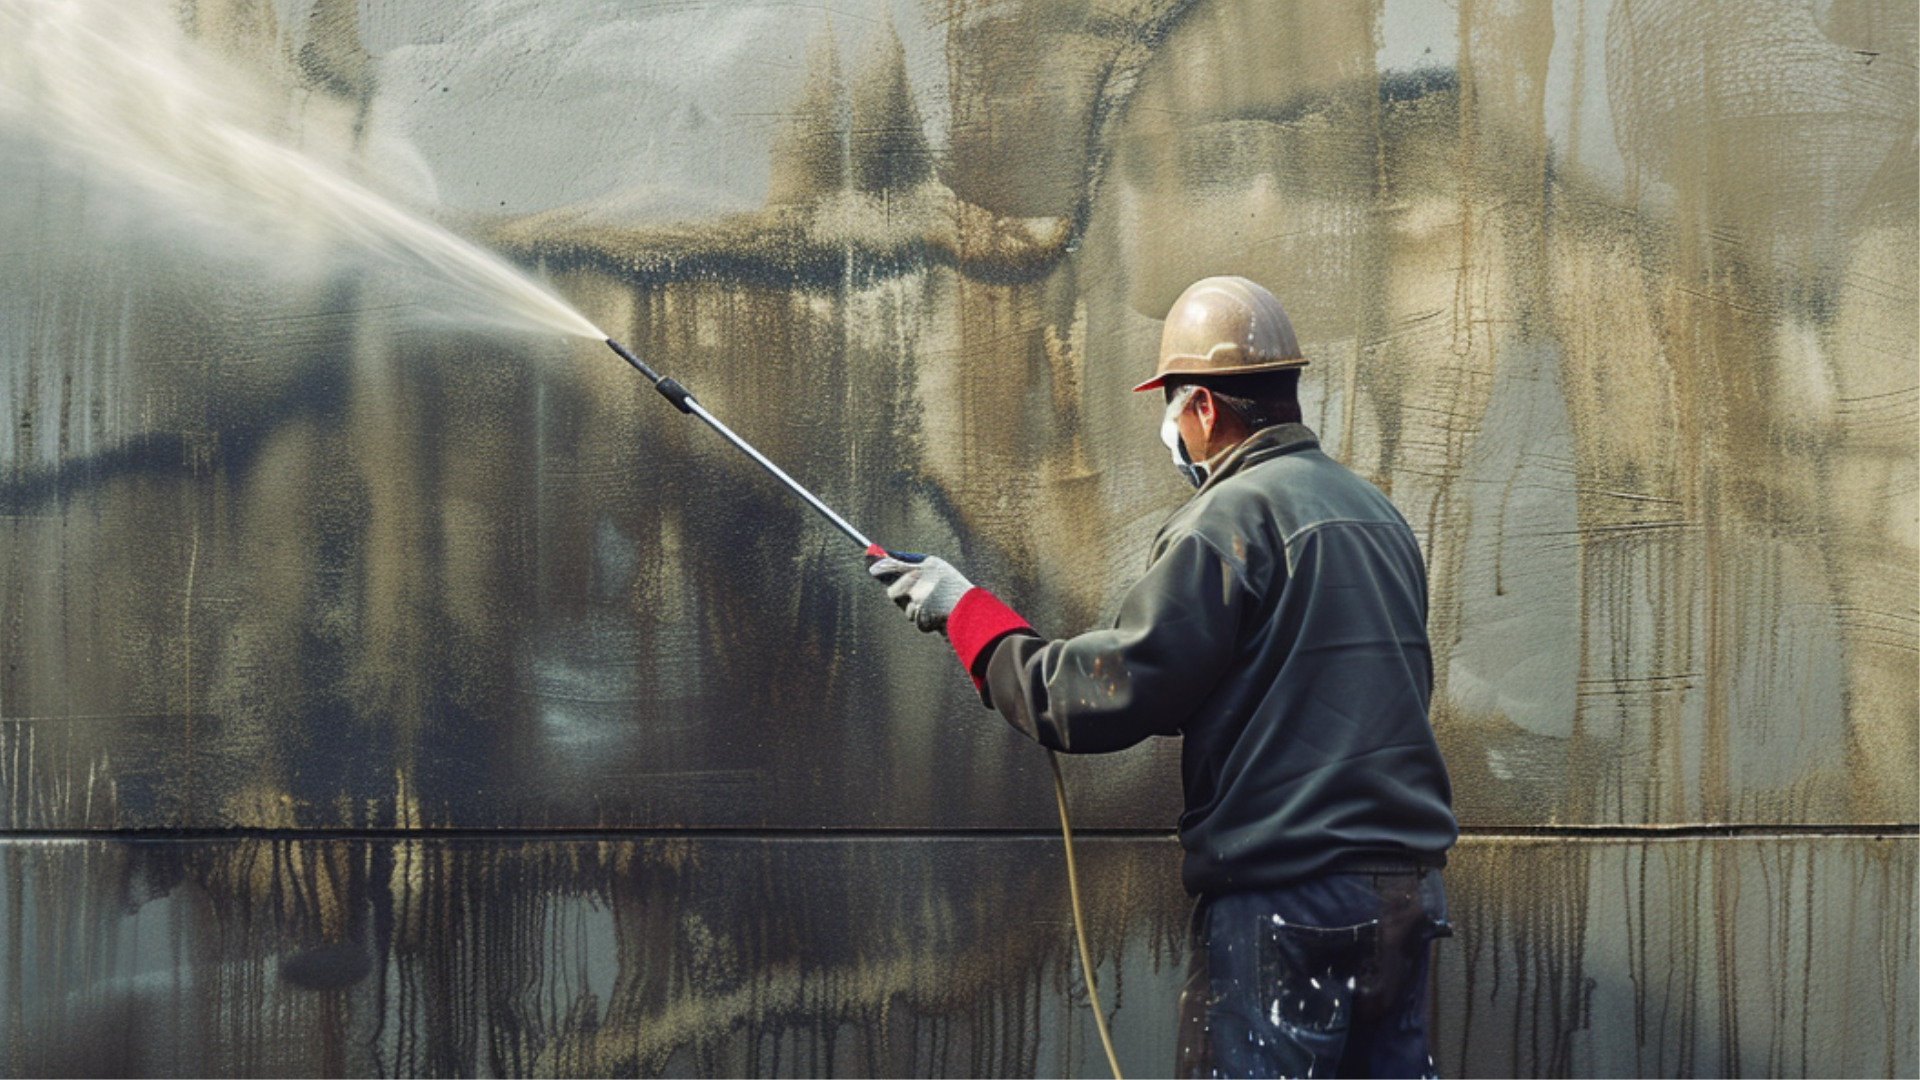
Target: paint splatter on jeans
pixel 1323 978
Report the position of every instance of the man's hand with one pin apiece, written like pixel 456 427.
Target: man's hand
pixel 926 589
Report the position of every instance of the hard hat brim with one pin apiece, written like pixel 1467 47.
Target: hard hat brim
pixel 1160 379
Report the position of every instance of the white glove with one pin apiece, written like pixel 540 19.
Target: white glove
pixel 926 588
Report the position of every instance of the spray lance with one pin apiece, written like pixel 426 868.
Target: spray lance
pixel 683 400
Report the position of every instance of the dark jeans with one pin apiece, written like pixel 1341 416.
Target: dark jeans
pixel 1326 977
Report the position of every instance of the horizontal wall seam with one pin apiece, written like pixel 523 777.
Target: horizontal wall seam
pixel 1541 832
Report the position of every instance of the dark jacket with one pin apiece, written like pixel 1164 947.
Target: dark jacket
pixel 1281 628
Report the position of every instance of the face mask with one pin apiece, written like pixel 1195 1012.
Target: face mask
pixel 1170 434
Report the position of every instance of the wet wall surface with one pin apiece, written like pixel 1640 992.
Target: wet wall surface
pixel 1614 300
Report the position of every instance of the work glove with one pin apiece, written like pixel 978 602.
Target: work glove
pixel 926 588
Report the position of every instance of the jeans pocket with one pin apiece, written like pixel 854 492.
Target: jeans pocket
pixel 1310 975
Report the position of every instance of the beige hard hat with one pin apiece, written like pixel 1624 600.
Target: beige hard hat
pixel 1225 326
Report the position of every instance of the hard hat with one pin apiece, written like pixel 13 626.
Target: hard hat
pixel 1225 326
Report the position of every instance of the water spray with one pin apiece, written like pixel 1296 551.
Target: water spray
pixel 682 399
pixel 119 85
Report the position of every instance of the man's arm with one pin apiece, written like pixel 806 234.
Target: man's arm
pixel 1105 690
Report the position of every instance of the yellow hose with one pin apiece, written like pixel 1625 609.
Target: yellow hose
pixel 1079 923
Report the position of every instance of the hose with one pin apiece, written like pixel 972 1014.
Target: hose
pixel 1079 922
pixel 682 399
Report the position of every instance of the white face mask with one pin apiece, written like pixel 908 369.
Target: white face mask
pixel 1170 434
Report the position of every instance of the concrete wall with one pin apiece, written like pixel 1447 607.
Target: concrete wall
pixel 384 692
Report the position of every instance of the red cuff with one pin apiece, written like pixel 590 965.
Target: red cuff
pixel 975 623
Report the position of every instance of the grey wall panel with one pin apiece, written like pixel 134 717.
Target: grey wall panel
pixel 902 956
pixel 290 539
pixel 1763 956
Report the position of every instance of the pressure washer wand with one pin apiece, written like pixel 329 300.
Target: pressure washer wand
pixel 683 400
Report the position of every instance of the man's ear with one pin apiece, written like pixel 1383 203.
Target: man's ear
pixel 1203 409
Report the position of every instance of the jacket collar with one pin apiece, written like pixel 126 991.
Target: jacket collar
pixel 1266 443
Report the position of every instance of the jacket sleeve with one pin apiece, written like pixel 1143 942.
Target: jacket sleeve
pixel 1174 638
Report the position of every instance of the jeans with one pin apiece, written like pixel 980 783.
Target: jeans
pixel 1325 977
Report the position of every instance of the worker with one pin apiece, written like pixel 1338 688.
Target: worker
pixel 1280 630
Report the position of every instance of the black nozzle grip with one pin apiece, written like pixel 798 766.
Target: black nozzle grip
pixel 675 393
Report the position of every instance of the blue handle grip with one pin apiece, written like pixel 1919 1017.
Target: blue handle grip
pixel 876 553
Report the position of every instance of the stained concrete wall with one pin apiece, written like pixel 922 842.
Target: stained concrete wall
pixel 391 694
